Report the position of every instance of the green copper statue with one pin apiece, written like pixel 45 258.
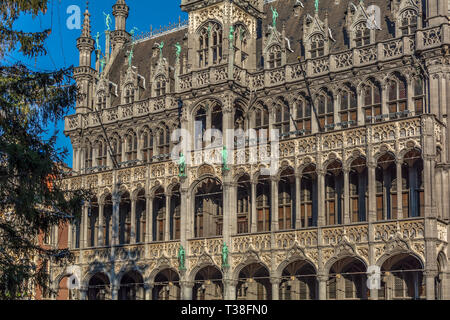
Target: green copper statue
pixel 182 165
pixel 225 253
pixel 225 159
pixel 316 4
pixel 274 17
pixel 178 52
pixel 102 64
pixel 108 20
pixel 133 31
pixel 231 35
pixel 161 46
pixel 97 37
pixel 182 258
pixel 130 56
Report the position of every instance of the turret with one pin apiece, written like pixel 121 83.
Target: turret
pixel 120 36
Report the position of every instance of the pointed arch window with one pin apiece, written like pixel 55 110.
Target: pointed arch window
pixel 160 88
pixel 419 96
pixel 372 102
pixel 88 155
pixel 101 100
pixel 210 44
pixel 262 121
pixel 129 94
pixel 362 34
pixel 148 144
pixel 408 22
pixel 164 143
pixel 240 44
pixel 274 57
pixel 326 111
pixel 116 145
pixel 131 153
pixel 349 108
pixel 102 153
pixel 317 42
pixel 282 118
pixel 303 115
pixel 397 98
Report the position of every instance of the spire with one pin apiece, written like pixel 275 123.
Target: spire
pixel 87 22
pixel 120 12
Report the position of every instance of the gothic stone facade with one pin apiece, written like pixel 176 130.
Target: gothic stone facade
pixel 364 151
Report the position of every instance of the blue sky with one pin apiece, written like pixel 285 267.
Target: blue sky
pixel 61 44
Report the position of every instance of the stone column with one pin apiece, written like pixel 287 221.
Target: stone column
pixel 227 207
pixel 69 235
pixel 186 290
pixel 298 193
pixel 274 203
pixel 275 288
pixel 185 211
pixel 148 289
pixel 322 279
pixel 133 219
pixel 254 217
pixel 167 224
pixel 115 292
pixel 229 288
pixel 101 221
pixel 399 190
pixel 84 294
pixel 347 218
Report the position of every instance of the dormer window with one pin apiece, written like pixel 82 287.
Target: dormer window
pixel 317 46
pixel 408 22
pixel 210 45
pixel 362 35
pixel 129 94
pixel 274 58
pixel 101 100
pixel 160 89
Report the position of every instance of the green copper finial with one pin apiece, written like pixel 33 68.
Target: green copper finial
pixel 316 4
pixel 108 20
pixel 274 17
pixel 225 253
pixel 182 258
pixel 182 166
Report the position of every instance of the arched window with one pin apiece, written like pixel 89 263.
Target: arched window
pixel 208 209
pixel 102 153
pixel 164 143
pixel 160 86
pixel 243 205
pixel 274 57
pixel 334 186
pixel 286 199
pixel 303 115
pixel 240 44
pixel 397 98
pixel 88 152
pixel 386 177
pixel 101 100
pixel 175 214
pixel 210 44
pixel 282 118
pixel 419 96
pixel 308 197
pixel 262 121
pixel 372 102
pixel 317 46
pixel 408 22
pixel 349 108
pixel 116 145
pixel 131 153
pixel 326 111
pixel 263 203
pixel 362 34
pixel 148 144
pixel 200 127
pixel 129 94
pixel 159 215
